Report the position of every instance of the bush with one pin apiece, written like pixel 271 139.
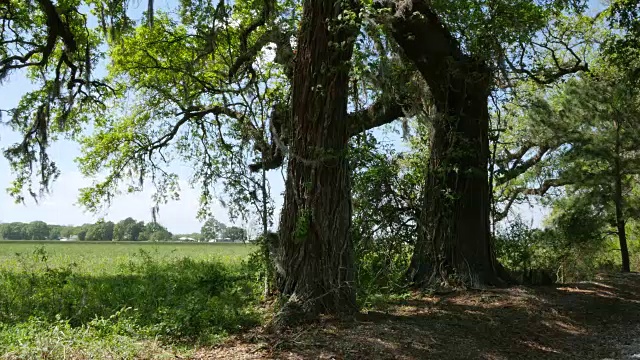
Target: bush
pixel 381 266
pixel 552 255
pixel 184 299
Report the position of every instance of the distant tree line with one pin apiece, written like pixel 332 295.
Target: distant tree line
pixel 214 230
pixel 126 230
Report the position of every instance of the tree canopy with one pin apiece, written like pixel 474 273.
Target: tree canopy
pixel 498 102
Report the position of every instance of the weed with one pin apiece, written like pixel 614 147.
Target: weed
pixel 51 305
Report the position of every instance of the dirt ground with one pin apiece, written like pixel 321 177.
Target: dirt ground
pixel 591 320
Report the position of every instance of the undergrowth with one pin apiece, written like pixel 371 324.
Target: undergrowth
pixel 55 309
pixel 560 257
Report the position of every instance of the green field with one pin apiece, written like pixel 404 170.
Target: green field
pixel 112 299
pixel 104 257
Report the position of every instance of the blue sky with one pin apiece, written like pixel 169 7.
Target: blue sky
pixel 59 207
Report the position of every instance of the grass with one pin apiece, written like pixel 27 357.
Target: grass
pixel 122 300
pixel 104 257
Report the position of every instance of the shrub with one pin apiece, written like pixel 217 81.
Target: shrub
pixel 381 266
pixel 551 255
pixel 183 299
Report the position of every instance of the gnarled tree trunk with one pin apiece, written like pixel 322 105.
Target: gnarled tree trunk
pixel 454 232
pixel 316 251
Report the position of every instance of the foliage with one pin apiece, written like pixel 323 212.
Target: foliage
pixel 210 87
pixel 235 234
pixel 128 230
pixel 153 231
pixel 622 47
pixel 144 296
pixel 386 190
pixel 580 219
pixel 537 256
pixel 387 194
pixel 586 136
pixel 36 230
pixel 125 230
pixel 263 262
pixel 212 229
pixel 101 231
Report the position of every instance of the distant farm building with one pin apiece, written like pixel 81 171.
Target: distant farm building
pixel 185 238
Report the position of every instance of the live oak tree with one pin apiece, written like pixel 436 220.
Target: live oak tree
pixel 51 43
pixel 464 52
pixel 235 234
pixel 185 87
pixel 100 231
pixel 153 231
pixel 272 83
pixel 37 230
pixel 317 269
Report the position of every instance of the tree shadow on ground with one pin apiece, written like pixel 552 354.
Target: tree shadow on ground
pixel 578 321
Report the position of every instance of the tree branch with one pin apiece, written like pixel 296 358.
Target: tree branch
pixel 249 53
pixel 549 75
pixel 56 28
pixel 519 167
pixel 539 191
pixel 189 114
pixel 437 54
pixel 380 113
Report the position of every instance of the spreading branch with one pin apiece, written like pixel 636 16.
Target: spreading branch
pixel 56 28
pixel 190 114
pixel 380 113
pixel 412 23
pixel 560 67
pixel 249 53
pixel 538 191
pixel 520 166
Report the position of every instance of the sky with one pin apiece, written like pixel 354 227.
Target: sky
pixel 60 205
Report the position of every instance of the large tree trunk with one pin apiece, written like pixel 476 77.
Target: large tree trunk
pixel 454 230
pixel 316 250
pixel 454 236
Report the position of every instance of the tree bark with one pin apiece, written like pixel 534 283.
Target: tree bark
pixel 454 231
pixel 618 200
pixel 622 237
pixel 317 272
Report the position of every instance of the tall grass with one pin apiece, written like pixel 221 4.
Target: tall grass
pixel 140 297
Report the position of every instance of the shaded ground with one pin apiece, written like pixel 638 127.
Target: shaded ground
pixel 595 320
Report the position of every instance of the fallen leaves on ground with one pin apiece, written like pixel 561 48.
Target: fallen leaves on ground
pixel 589 320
